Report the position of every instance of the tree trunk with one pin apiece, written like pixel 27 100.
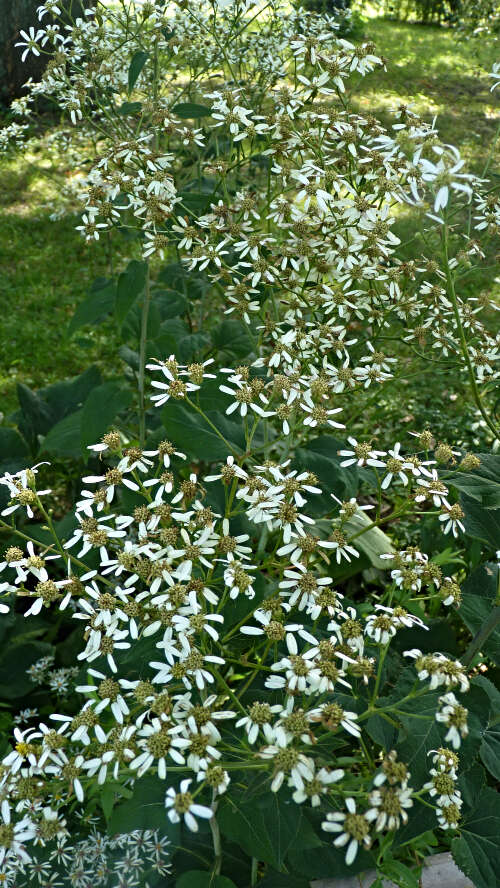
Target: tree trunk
pixel 16 16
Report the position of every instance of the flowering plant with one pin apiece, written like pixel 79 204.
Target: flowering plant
pixel 271 672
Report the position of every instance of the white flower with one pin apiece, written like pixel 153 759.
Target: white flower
pixel 30 41
pixel 316 786
pixel 158 741
pixel 361 455
pixel 389 804
pixel 19 833
pixel 454 716
pixel 451 518
pixel 259 719
pixel 22 489
pixel 354 829
pixel 181 805
pixel 440 670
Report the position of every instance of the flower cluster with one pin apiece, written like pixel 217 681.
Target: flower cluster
pixel 219 632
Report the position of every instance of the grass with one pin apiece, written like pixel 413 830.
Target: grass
pixel 46 268
pixel 440 76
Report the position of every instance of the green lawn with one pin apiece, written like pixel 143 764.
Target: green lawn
pixel 440 76
pixel 46 268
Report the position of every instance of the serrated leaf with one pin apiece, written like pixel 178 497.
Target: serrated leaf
pixel 137 63
pixel 327 861
pixel 477 851
pixel 170 303
pixel 191 110
pixel 265 828
pixel 232 336
pixel 130 285
pixel 321 457
pixel 484 483
pixel 421 732
pixel 145 809
pixel 191 433
pixel 481 523
pixel 100 409
pixel 68 395
pixel 489 751
pixel 479 593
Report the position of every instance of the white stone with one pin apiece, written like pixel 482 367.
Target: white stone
pixel 439 871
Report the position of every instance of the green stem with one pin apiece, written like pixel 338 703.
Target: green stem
pixel 216 840
pixel 254 872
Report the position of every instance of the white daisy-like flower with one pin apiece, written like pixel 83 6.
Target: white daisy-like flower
pixel 354 829
pixel 361 455
pixel 18 833
pixel 454 717
pixel 388 806
pixel 182 806
pixel 30 42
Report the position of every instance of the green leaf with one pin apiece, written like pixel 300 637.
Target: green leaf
pixel 190 110
pixel 421 732
pixel 15 683
pixel 195 201
pixel 479 593
pixel 419 735
pixel 477 851
pixel 232 336
pixel 37 416
pixel 400 874
pixel 170 303
pixel 130 357
pixel 64 438
pixel 421 819
pixel 137 63
pixel 100 409
pixel 13 450
pixel 145 809
pixel 321 457
pixel 129 108
pixel 93 309
pixel 202 879
pixel 68 395
pixel 484 524
pixel 327 861
pixel 373 542
pixel 131 284
pixel 191 433
pixel 490 689
pixel 490 750
pixel 265 828
pixel 484 483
